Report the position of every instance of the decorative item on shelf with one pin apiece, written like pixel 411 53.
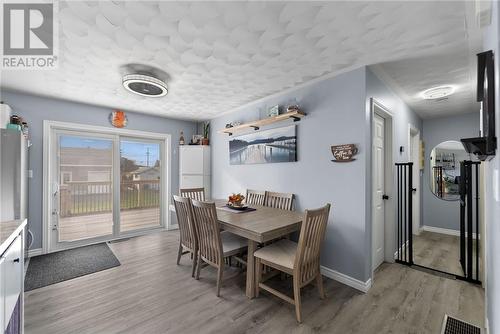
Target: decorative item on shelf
pixel 181 139
pixel 268 146
pixel 25 130
pixel 344 153
pixel 235 201
pixel 257 124
pixel 233 124
pixel 15 123
pixel 293 108
pixel 118 119
pixel 196 140
pixel 206 133
pixel 273 111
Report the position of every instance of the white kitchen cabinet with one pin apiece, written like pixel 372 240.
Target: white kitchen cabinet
pixel 2 295
pixel 13 266
pixel 12 276
pixel 194 167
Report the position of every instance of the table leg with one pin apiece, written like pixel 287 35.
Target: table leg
pixel 252 247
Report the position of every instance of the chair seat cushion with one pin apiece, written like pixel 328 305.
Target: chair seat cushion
pixel 281 253
pixel 232 242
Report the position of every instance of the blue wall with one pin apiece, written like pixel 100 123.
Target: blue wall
pixel 336 114
pixel 437 212
pixel 37 109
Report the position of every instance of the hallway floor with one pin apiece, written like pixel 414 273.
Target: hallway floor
pixel 437 251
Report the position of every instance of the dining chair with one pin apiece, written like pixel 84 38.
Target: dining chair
pixel 213 245
pixel 281 201
pixel 255 197
pixel 193 193
pixel 188 239
pixel 301 260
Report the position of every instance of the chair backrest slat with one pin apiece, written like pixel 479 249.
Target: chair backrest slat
pixel 183 210
pixel 312 234
pixel 256 197
pixel 193 193
pixel 281 201
pixel 208 231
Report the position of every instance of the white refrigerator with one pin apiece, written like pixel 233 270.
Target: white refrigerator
pixel 13 177
pixel 194 167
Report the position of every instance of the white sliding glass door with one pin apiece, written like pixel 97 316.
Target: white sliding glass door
pixel 85 198
pixel 103 186
pixel 140 184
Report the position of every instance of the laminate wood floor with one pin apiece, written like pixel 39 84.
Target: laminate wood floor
pixel 437 251
pixel 149 293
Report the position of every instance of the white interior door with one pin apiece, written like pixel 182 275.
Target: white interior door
pixel 378 178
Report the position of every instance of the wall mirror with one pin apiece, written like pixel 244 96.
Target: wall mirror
pixel 444 169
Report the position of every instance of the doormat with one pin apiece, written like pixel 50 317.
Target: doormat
pixel 61 266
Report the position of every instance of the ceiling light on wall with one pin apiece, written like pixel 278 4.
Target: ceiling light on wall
pixel 145 85
pixel 438 92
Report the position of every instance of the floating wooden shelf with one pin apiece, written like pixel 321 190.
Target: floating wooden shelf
pixel 295 115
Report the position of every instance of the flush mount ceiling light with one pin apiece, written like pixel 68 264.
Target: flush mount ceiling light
pixel 144 85
pixel 438 92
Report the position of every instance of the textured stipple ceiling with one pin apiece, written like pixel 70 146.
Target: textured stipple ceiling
pixel 220 55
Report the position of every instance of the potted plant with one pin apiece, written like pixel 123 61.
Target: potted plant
pixel 206 133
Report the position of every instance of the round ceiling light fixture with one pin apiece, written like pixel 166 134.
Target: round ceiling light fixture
pixel 438 92
pixel 145 85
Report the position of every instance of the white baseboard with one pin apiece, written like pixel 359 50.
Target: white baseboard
pixel 347 280
pixel 35 252
pixel 446 231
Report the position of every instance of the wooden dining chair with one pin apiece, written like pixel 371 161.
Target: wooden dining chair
pixel 214 246
pixel 301 260
pixel 255 197
pixel 193 193
pixel 188 239
pixel 281 201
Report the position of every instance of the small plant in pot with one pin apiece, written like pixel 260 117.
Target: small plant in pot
pixel 206 133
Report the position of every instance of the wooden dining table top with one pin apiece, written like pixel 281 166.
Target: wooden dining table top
pixel 261 225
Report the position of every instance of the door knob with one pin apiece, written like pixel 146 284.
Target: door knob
pixel 414 190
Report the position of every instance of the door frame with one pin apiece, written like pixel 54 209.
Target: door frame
pixel 390 223
pixel 47 205
pixel 414 147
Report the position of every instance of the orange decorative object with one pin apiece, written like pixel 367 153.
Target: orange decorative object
pixel 118 119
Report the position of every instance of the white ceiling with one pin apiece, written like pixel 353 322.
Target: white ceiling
pixel 221 55
pixel 455 67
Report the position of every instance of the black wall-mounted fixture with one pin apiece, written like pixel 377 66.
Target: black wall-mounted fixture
pixel 484 147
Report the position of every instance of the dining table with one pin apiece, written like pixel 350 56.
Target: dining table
pixel 258 226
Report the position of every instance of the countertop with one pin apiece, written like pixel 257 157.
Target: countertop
pixel 9 230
